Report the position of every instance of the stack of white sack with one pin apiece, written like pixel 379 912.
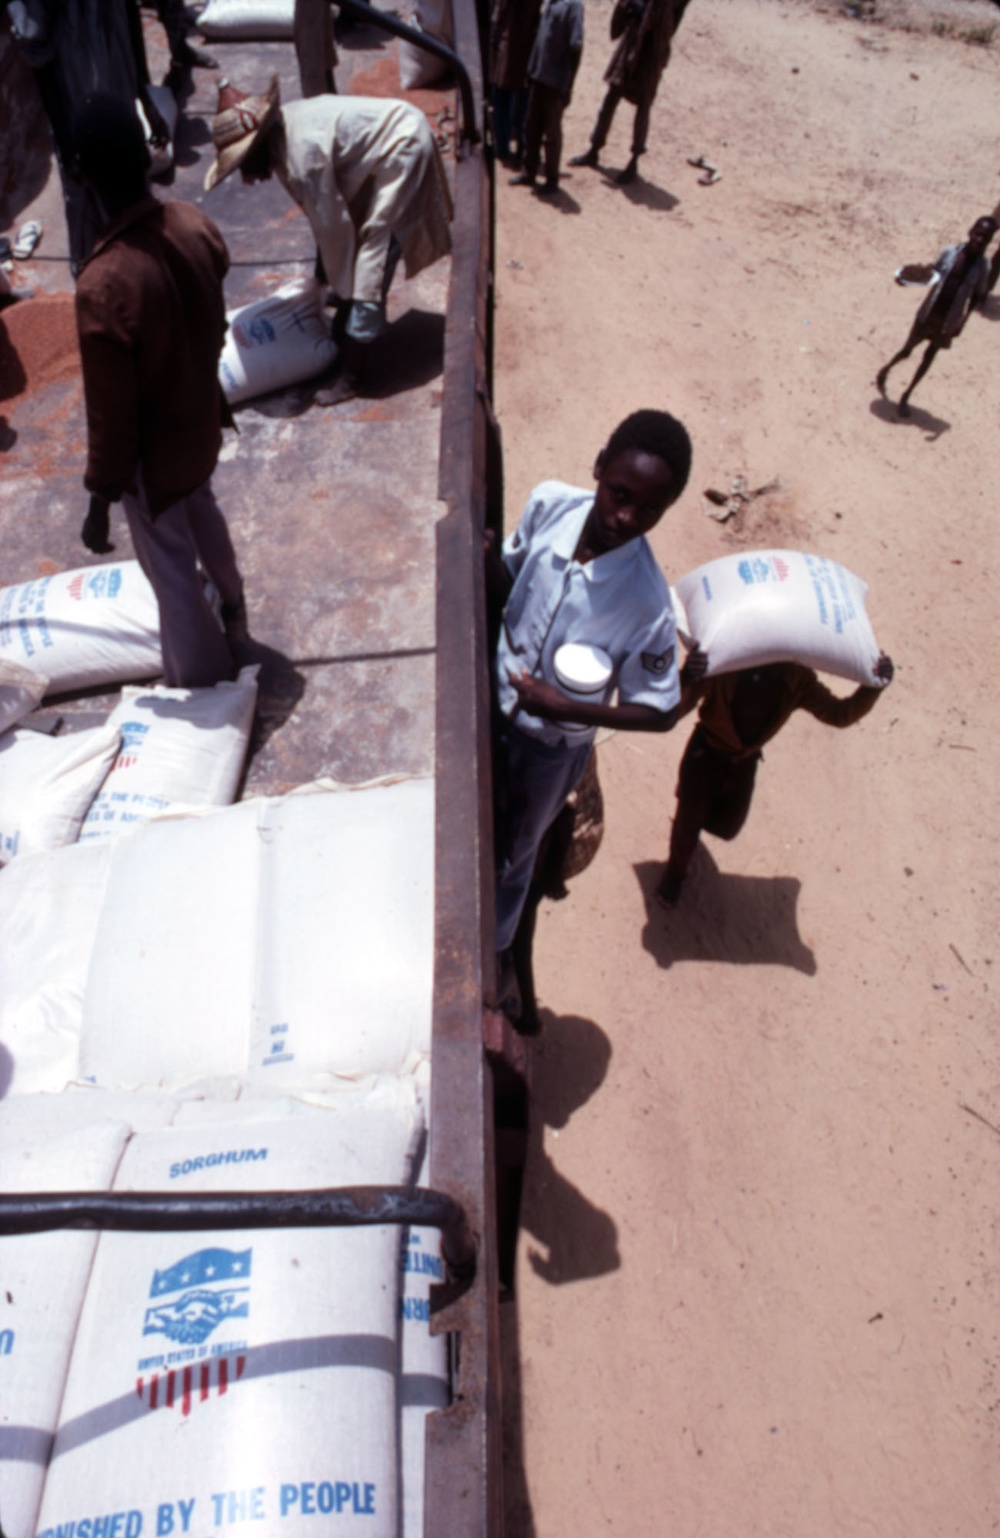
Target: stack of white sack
pixel 47 785
pixel 78 629
pixel 179 748
pixel 241 19
pixel 44 1280
pixel 20 691
pixel 278 942
pixel 305 925
pixel 50 906
pixel 275 342
pixel 746 610
pixel 417 67
pixel 233 1376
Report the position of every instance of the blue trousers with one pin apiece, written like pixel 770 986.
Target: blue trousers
pixel 532 782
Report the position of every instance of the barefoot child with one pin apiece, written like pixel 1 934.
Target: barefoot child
pixel 578 568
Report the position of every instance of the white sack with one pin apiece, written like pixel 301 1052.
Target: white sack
pixel 20 692
pixel 179 747
pixel 746 610
pixel 49 910
pixel 42 1283
pixel 275 342
pixel 306 930
pixel 47 785
pixel 236 19
pixel 417 67
pixel 98 625
pixel 262 1363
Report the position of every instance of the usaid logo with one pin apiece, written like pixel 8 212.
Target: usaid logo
pixel 199 1307
pixel 189 1301
pixel 760 568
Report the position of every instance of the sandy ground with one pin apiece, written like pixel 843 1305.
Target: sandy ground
pixel 758 1286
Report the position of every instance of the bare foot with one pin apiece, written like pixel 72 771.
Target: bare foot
pixel 903 408
pixel 880 382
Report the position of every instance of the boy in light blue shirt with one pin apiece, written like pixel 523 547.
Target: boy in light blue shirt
pixel 578 568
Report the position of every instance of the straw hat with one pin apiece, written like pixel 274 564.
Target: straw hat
pixel 237 126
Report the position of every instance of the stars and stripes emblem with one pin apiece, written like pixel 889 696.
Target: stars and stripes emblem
pixel 181 1388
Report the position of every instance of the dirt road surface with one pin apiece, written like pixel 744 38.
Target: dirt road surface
pixel 758 1287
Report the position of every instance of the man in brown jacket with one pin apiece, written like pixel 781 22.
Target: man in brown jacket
pixel 151 319
pixel 739 713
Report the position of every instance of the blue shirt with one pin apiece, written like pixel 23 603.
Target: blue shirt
pixel 619 601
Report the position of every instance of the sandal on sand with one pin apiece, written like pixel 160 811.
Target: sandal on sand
pixel 28 237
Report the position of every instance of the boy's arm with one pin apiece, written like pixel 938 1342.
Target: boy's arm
pixel 545 700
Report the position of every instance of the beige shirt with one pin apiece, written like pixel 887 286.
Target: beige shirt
pixel 364 169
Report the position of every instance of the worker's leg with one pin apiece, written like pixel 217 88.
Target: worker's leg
pixel 933 348
pixel 533 781
pixel 640 134
pixel 195 651
pixel 904 352
pixel 599 137
pixel 731 806
pixel 701 780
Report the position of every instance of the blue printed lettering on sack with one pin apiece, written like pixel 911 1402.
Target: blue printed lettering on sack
pixel 261 331
pixel 326 1497
pixel 7 1338
pixel 113 1524
pixel 209 1161
pixel 9 843
pixel 199 1306
pixel 420 1262
pixel 278 1051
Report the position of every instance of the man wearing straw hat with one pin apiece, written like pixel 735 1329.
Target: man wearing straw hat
pixel 367 174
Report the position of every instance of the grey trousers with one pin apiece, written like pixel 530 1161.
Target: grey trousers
pixel 170 549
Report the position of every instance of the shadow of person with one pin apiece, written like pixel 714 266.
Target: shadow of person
pixel 638 190
pixel 280 686
pixel 743 920
pixel 569 1063
pixel 408 354
pixel 888 411
pixel 990 307
pixel 562 201
pixel 519 1521
pixel 649 195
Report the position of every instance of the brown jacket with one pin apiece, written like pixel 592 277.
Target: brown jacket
pixel 151 318
pixel 800 690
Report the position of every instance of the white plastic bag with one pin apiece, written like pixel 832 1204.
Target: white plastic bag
pixel 20 692
pixel 306 930
pixel 47 785
pixel 50 905
pixel 98 625
pixel 44 1277
pixel 746 610
pixel 225 1377
pixel 275 342
pixel 179 747
pixel 260 19
pixel 417 67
